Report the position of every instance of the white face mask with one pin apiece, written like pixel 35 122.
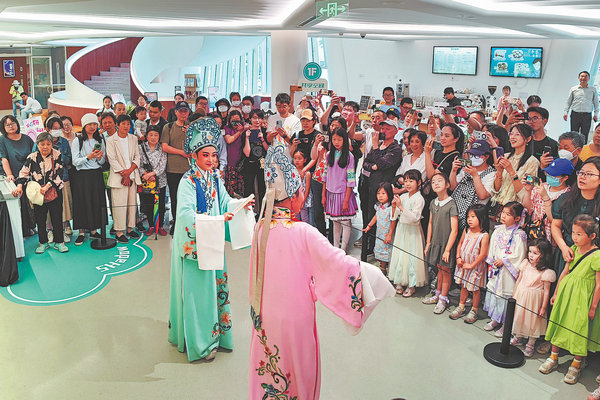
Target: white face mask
pixel 566 154
pixel 236 103
pixel 246 109
pixel 476 161
pixel 56 133
pixel 222 108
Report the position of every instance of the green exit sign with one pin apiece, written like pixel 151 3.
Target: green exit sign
pixel 329 9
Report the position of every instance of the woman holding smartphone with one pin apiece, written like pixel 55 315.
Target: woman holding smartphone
pixel 89 198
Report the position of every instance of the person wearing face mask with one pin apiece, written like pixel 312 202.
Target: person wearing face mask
pixel 538 198
pixel 474 183
pixel 222 108
pixel 236 101
pixel 247 106
pixel 15 92
pixel 570 145
pixel 54 126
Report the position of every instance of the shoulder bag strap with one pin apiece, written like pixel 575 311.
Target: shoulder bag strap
pixel 581 259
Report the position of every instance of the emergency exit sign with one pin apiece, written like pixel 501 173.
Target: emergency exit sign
pixel 329 9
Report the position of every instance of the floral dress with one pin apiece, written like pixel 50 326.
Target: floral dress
pixel 382 251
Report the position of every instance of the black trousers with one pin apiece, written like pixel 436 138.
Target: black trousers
pixel 173 180
pixel 147 207
pixel 316 189
pixel 250 173
pixel 27 220
pixel 581 122
pixel 368 211
pixel 41 212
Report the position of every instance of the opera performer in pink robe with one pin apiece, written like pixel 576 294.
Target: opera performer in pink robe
pixel 292 267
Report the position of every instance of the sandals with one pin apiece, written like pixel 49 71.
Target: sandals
pixel 595 394
pixel 471 317
pixel 529 350
pixel 517 341
pixel 399 289
pixel 545 348
pixel 457 313
pixel 408 292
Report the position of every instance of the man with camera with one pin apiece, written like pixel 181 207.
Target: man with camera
pixel 284 122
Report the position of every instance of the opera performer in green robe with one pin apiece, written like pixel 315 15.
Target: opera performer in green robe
pixel 200 314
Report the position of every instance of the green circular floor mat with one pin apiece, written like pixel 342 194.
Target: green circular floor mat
pixel 54 278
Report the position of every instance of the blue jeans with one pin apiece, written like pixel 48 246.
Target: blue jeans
pixel 26 114
pixel 307 214
pixel 16 108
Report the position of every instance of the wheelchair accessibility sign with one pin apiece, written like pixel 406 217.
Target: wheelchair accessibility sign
pixel 9 68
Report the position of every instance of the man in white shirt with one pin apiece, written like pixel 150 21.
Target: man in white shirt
pixel 283 123
pixel 582 100
pixel 31 106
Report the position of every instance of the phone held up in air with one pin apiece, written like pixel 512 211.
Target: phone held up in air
pixel 97 147
pixel 547 150
pixel 499 152
pixel 465 162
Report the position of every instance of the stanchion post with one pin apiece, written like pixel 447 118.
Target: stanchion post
pixel 503 354
pixel 103 243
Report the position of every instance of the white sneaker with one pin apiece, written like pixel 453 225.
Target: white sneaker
pixel 50 237
pixel 67 238
pixel 68 230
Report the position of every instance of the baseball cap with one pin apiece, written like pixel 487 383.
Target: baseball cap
pixel 182 105
pixel 389 122
pixel 479 148
pixel 559 166
pixel 308 114
pixel 16 82
pixel 393 110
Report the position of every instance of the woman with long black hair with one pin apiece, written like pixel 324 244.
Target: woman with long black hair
pixel 88 190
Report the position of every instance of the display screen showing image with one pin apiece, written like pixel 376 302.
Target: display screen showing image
pixel 455 60
pixel 516 62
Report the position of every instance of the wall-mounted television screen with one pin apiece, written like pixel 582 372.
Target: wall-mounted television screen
pixel 516 62
pixel 459 60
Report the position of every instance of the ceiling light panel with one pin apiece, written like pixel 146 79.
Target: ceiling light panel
pixel 574 9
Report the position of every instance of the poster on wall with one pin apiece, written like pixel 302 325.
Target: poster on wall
pixel 118 98
pixel 213 95
pixel 151 96
pixel 33 127
pixel 9 68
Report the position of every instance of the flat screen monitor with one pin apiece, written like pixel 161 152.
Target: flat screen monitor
pixel 516 62
pixel 456 60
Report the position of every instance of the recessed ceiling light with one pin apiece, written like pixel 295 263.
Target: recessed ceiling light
pixel 576 31
pixel 531 7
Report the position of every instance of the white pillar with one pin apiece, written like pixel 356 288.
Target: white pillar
pixel 288 58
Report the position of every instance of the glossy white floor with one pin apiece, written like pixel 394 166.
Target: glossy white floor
pixel 113 345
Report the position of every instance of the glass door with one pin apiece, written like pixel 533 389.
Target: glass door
pixel 41 73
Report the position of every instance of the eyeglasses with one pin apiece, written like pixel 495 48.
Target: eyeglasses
pixel 10 124
pixel 534 118
pixel 585 174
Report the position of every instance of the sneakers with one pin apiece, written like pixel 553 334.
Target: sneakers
pixel 68 230
pixel 572 375
pixel 172 231
pixel 122 239
pixel 431 300
pixel 66 238
pixel 595 394
pixel 149 232
pixel 440 307
pixel 50 237
pixel 95 235
pixel 42 247
pixel 490 326
pixel 80 239
pixel 548 366
pixel 358 243
pixel 133 234
pixel 162 232
pixel 112 230
pixel 61 247
pixel 471 317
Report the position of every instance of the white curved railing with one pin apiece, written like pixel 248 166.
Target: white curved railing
pixel 76 94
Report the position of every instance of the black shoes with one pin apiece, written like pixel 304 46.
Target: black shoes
pixel 122 239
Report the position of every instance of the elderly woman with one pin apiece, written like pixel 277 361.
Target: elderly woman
pixel 153 170
pixel 124 158
pixel 45 167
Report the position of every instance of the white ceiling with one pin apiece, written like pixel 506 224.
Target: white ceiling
pixel 26 21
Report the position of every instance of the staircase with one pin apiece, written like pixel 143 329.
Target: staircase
pixel 115 81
